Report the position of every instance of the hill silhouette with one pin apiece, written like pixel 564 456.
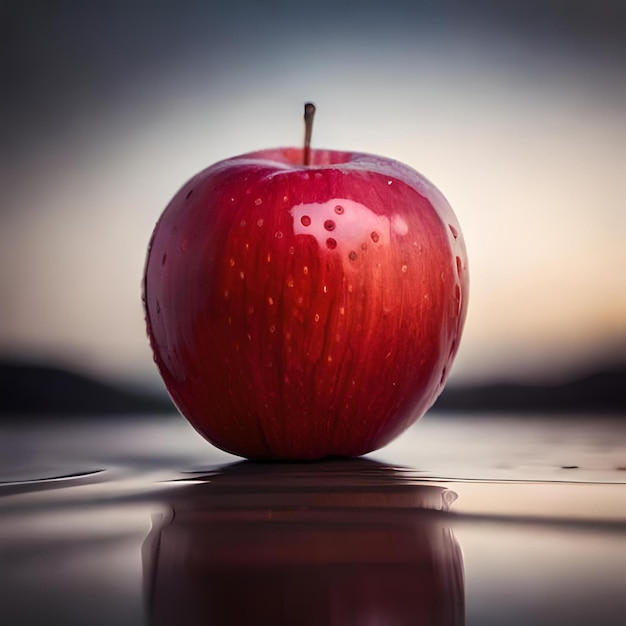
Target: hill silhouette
pixel 38 389
pixel 603 391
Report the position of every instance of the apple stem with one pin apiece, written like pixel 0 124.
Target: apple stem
pixel 309 113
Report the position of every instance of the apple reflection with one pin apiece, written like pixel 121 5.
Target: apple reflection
pixel 347 542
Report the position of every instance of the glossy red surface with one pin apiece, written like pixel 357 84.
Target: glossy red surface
pixel 338 543
pixel 301 312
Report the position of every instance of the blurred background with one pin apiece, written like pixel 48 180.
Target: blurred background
pixel 516 111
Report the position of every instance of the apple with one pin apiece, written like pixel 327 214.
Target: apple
pixel 305 303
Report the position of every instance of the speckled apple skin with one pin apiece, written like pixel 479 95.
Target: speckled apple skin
pixel 298 312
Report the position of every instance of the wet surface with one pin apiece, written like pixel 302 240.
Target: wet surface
pixel 139 521
pixel 341 542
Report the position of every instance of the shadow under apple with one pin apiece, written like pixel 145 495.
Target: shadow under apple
pixel 336 542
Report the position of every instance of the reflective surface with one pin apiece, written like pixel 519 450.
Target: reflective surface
pixel 131 521
pixel 346 542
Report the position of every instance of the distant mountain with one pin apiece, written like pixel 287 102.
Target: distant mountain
pixel 602 391
pixel 34 389
pixel 48 390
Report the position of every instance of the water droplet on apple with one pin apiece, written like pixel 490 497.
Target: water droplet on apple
pixel 375 236
pixel 452 347
pixel 259 222
pixel 242 275
pixel 258 201
pixel 272 328
pixel 459 299
pixel 231 262
pixel 305 269
pixel 459 265
pixel 305 220
pixel 352 255
pixel 329 225
pixel 316 317
pixel 278 234
pixel 339 210
pixel 331 243
pixel 290 282
pixel 270 301
pixel 268 258
pixel 454 231
pixel 404 269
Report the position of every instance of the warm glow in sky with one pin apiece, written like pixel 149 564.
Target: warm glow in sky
pixel 524 134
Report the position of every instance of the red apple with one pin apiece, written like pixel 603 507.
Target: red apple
pixel 302 311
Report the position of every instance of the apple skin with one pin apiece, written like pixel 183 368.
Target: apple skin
pixel 299 312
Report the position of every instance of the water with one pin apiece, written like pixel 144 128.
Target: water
pixel 493 520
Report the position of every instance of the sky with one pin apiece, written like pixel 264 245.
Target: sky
pixel 516 111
